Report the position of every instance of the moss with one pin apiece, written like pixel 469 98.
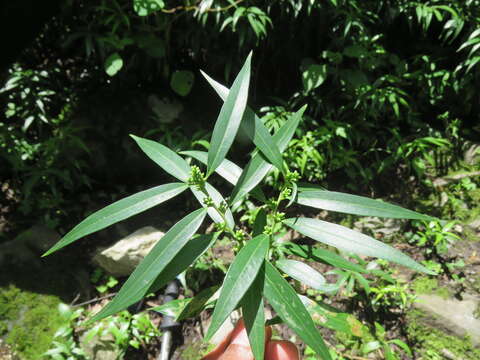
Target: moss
pixel 196 350
pixel 426 285
pixel 28 320
pixel 430 343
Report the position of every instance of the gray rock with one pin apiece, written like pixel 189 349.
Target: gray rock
pixel 100 347
pixel 452 315
pixel 124 256
pixel 28 246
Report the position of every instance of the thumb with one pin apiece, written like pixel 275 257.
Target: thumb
pixel 281 350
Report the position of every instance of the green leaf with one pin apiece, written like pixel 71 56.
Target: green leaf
pixel 172 308
pixel 258 167
pixel 181 309
pixel 240 276
pixel 118 211
pixel 253 127
pixel 195 248
pixel 290 308
pixel 218 200
pixel 260 222
pixel 305 274
pixel 228 121
pixel 146 273
pixel 352 241
pixel 332 318
pixel 254 315
pixel 113 64
pixel 182 82
pixel 317 254
pixel 314 76
pixel 353 204
pixel 198 303
pixel 167 159
pixel 147 7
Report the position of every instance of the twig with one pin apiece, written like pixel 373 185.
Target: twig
pixel 93 300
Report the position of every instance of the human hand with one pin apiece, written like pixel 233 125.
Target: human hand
pixel 237 347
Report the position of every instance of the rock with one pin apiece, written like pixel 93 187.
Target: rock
pixel 28 246
pixel 475 225
pixel 452 315
pixel 124 256
pixel 101 347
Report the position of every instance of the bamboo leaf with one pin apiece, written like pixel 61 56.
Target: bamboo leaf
pixel 258 167
pixel 218 200
pixel 240 276
pixel 120 210
pixel 146 273
pixel 317 254
pixel 290 308
pixel 352 241
pixel 254 315
pixel 353 204
pixel 229 119
pixel 253 127
pixel 167 159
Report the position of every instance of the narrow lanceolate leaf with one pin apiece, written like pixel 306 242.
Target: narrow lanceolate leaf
pixel 154 263
pixel 290 308
pixel 167 159
pixel 181 309
pixel 253 127
pixel 119 211
pixel 258 167
pixel 195 248
pixel 218 200
pixel 352 241
pixel 260 222
pixel 353 204
pixel 198 303
pixel 316 254
pixel 240 276
pixel 254 315
pixel 228 121
pixel 227 169
pixel 305 274
pixel 324 315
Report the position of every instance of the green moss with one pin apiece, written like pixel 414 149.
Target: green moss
pixel 196 350
pixel 30 320
pixel 430 342
pixel 426 285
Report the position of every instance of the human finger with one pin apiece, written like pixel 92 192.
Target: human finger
pixel 281 350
